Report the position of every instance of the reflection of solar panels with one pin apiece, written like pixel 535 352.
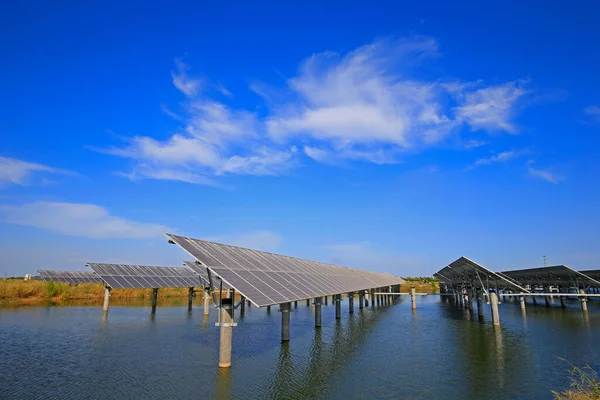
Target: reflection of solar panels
pixel 201 270
pixel 68 276
pixel 558 275
pixel 466 272
pixel 267 278
pixel 137 276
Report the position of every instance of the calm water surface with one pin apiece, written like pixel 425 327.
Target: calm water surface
pixel 437 352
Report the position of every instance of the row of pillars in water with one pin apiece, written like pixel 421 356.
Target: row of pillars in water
pixel 155 299
pixel 465 296
pixel 381 296
pixel 378 297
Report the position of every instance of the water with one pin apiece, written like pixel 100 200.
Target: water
pixel 437 352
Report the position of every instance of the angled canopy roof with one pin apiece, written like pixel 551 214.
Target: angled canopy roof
pixel 592 273
pixel 466 272
pixel 142 276
pixel 266 278
pixel 68 276
pixel 558 275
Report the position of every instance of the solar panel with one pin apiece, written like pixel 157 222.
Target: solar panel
pixel 267 278
pixel 557 275
pixel 466 272
pixel 120 276
pixel 72 277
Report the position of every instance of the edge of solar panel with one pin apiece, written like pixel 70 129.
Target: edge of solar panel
pixel 201 271
pixel 126 276
pixel 222 269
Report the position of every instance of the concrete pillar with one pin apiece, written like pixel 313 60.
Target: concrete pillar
pixel 326 301
pixel 547 298
pixel 522 301
pixel 317 312
pixel 106 297
pixel 206 301
pixel 338 306
pixel 372 298
pixel 562 302
pixel 285 309
pixel 413 298
pixel 296 304
pixel 351 302
pixel 378 299
pixel 190 298
pixel 479 295
pixel 466 298
pixel 495 313
pixel 534 298
pixel 470 294
pixel 366 298
pixel 154 298
pixel 226 331
pixel 360 299
pixel 268 309
pixel 583 300
pixel 242 306
pixel 307 302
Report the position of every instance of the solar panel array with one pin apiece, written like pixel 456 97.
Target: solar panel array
pixel 466 272
pixel 72 277
pixel 266 278
pixel 141 276
pixel 201 271
pixel 559 275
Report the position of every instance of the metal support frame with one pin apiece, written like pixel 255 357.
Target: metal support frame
pixel 318 301
pixel 154 299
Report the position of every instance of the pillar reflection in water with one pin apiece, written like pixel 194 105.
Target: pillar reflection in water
pixel 223 387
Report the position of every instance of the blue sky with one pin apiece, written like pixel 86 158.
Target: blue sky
pixel 387 136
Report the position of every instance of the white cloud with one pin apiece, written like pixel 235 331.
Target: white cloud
pixel 593 114
pixel 214 140
pixel 545 174
pixel 364 105
pixel 353 103
pixel 259 240
pixel 491 108
pixel 20 172
pixel 75 219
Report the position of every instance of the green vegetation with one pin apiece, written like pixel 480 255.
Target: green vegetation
pixel 585 385
pixel 24 292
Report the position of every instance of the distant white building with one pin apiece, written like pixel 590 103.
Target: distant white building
pixel 28 277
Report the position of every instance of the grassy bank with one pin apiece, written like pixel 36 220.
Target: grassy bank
pixel 16 291
pixel 19 291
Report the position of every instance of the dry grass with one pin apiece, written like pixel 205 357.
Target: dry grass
pixel 420 287
pixel 17 291
pixel 585 385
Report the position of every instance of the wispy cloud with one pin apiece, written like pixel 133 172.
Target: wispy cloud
pixel 544 174
pixel 19 172
pixel 77 219
pixel 492 108
pixel 500 157
pixel 182 81
pixel 592 115
pixel 364 105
